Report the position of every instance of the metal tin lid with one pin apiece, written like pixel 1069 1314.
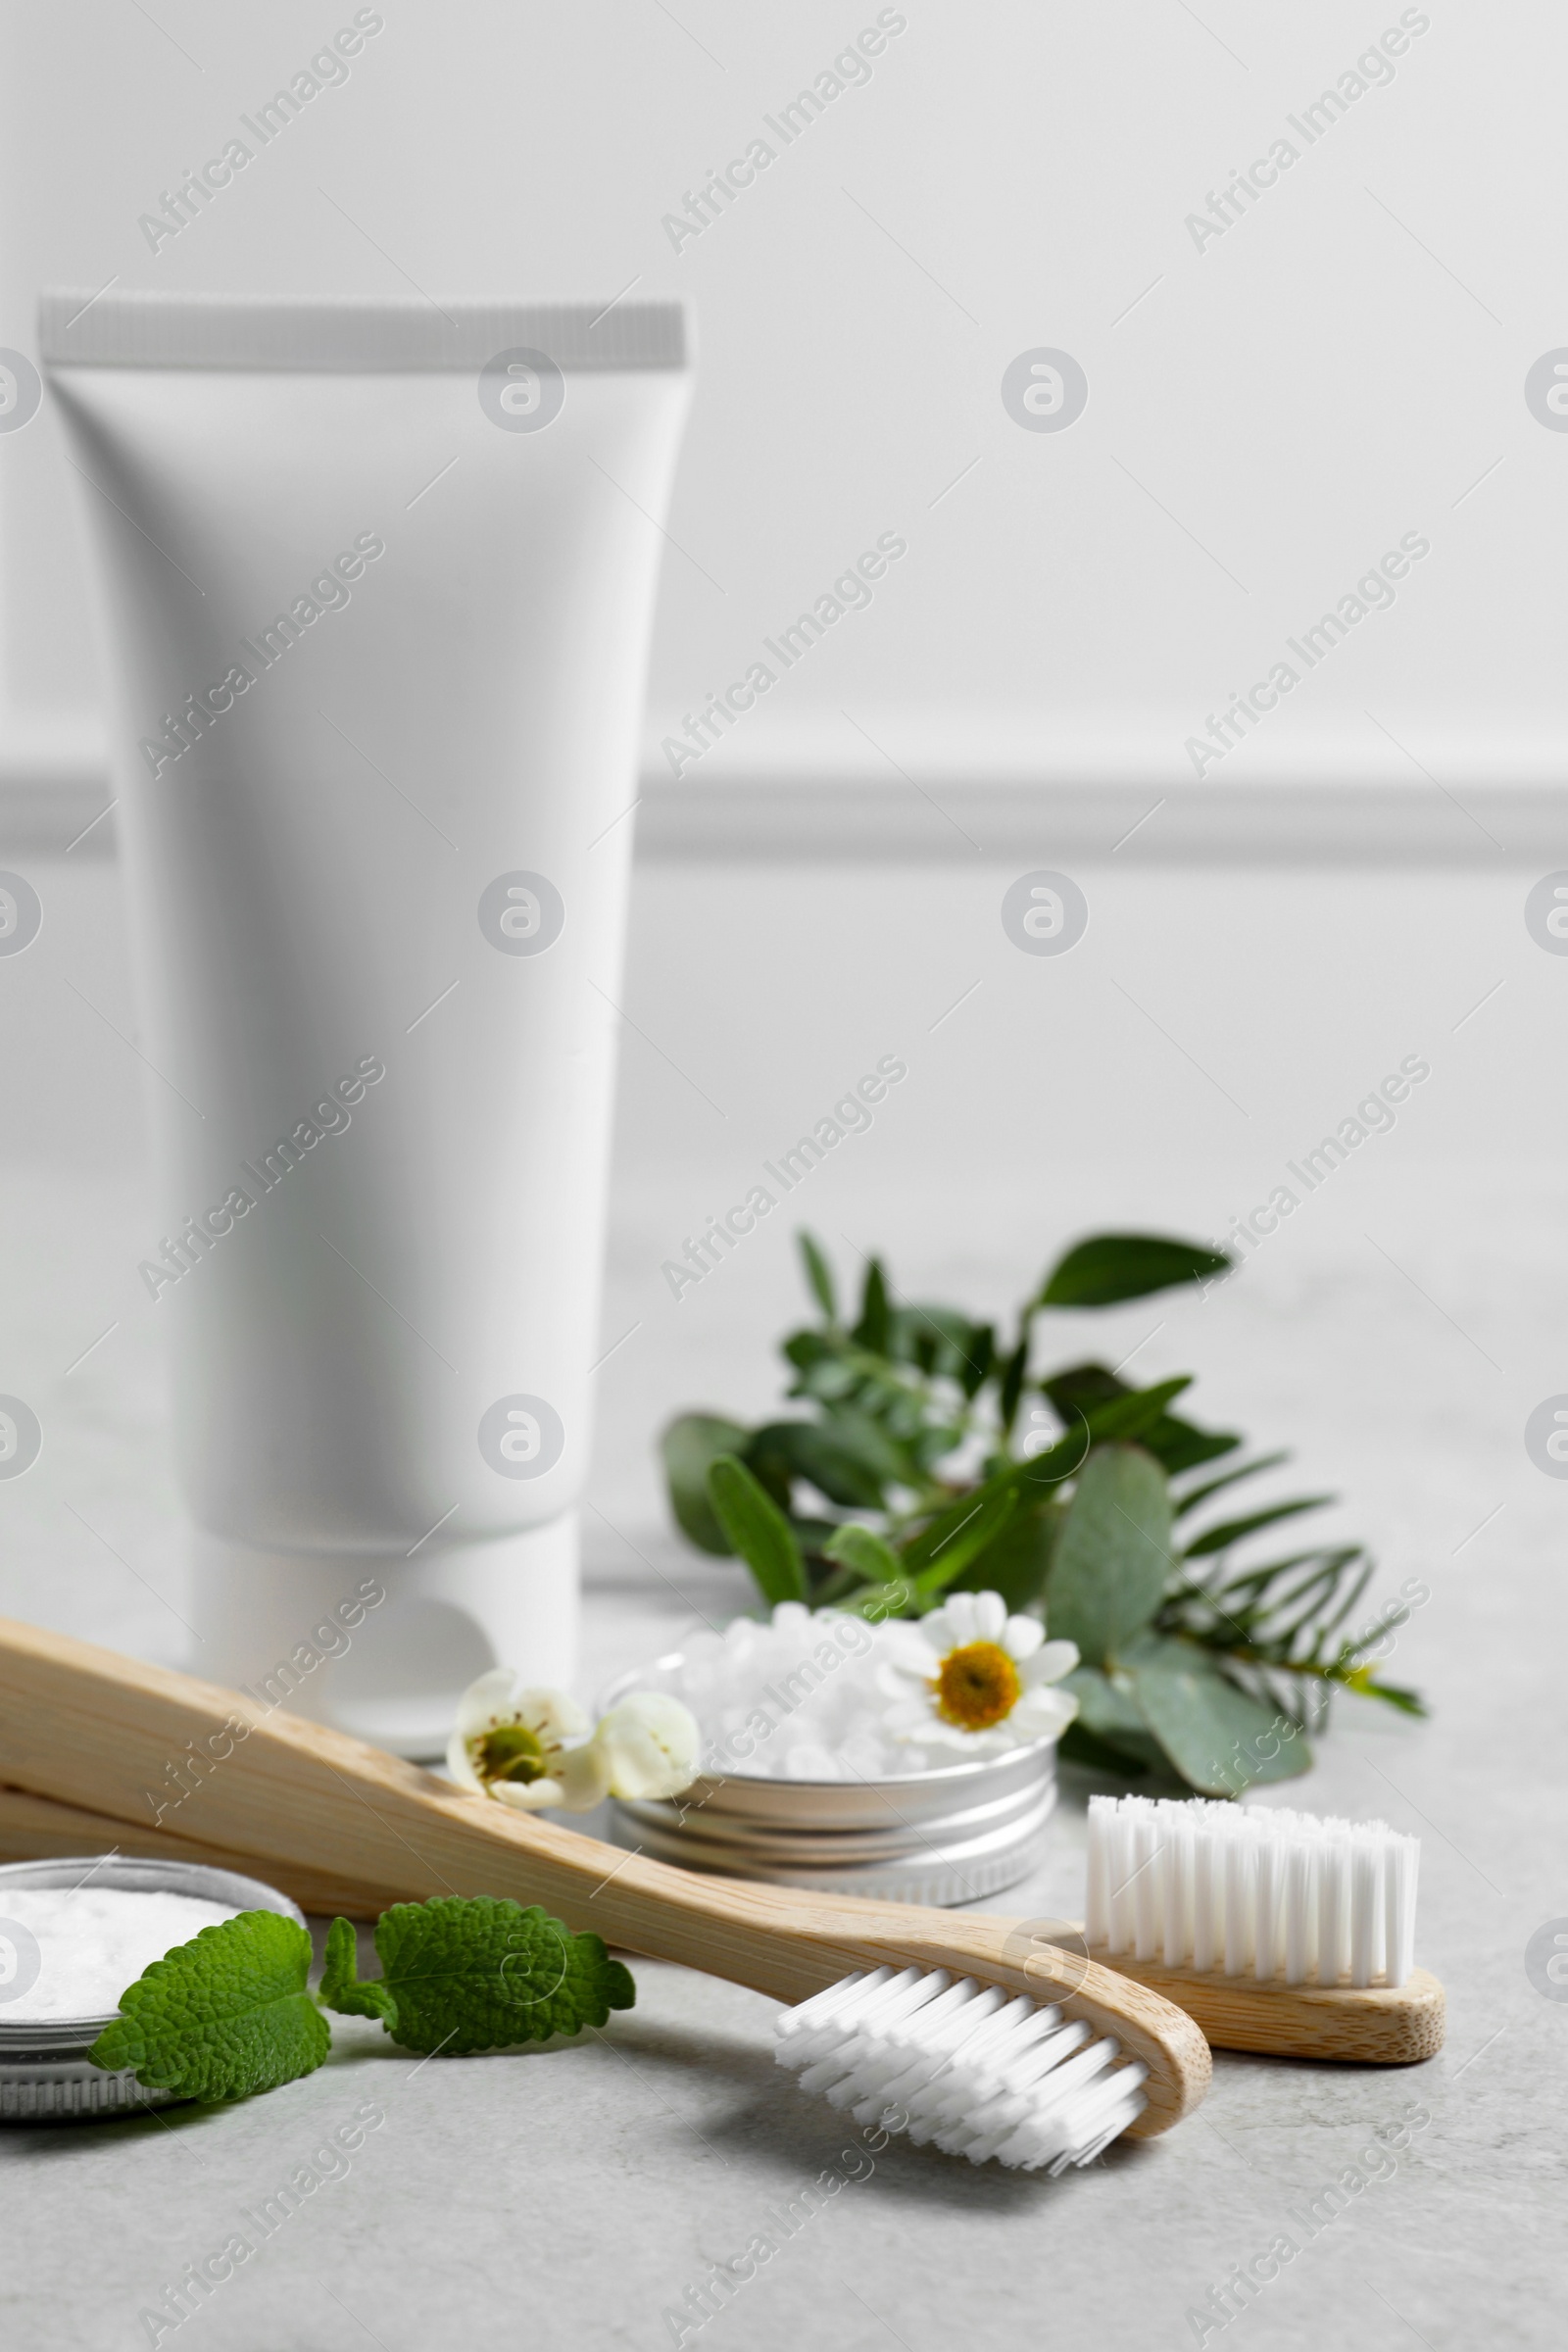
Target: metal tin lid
pixel 45 2076
pixel 955 1835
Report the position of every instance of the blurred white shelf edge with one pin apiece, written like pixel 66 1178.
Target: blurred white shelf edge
pixel 57 803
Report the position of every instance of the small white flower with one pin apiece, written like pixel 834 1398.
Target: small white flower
pixel 512 1744
pixel 970 1677
pixel 651 1746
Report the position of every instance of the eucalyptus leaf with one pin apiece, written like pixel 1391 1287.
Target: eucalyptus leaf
pixel 1078 1744
pixel 1112 1558
pixel 1112 1730
pixel 897 1481
pixel 1220 1740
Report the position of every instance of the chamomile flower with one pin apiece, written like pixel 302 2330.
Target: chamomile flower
pixel 651 1746
pixel 528 1749
pixel 972 1678
pixel 513 1745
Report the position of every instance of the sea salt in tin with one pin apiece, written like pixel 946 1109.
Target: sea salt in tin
pixel 958 1834
pixel 45 2075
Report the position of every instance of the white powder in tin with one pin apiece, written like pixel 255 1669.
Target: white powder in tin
pixel 72 1951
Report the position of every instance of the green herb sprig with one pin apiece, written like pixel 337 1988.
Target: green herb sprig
pixel 914 1471
pixel 230 2013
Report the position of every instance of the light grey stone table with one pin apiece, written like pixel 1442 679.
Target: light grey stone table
pixel 571 2197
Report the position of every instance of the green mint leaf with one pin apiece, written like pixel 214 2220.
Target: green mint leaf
pixel 223 2016
pixel 341 1988
pixel 464 1973
pixel 757 1529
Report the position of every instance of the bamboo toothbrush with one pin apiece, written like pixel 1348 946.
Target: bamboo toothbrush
pixel 1276 1931
pixel 40 1829
pixel 962 2065
pixel 94 1736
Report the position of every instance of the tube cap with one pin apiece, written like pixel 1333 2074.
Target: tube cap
pixel 380 1645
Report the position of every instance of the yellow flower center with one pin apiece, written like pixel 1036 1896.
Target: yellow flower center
pixel 509 1753
pixel 977 1686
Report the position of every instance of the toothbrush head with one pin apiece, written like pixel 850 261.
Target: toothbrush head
pixel 1251 1891
pixel 966 2066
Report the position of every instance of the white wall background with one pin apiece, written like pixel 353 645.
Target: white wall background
pixel 1266 415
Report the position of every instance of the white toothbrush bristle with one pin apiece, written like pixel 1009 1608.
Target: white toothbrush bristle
pixel 964 2064
pixel 1251 1891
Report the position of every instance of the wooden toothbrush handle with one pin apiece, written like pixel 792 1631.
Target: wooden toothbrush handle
pixel 1373 2024
pixel 120 1739
pixel 40 1829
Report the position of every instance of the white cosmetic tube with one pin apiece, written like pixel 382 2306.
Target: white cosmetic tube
pixel 376 586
